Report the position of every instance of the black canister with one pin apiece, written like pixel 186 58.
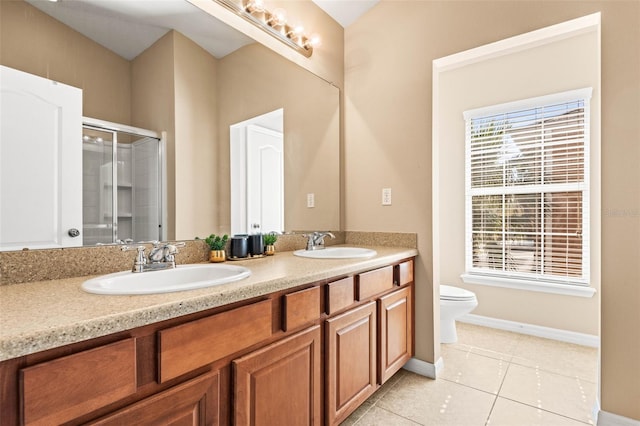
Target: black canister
pixel 256 245
pixel 239 246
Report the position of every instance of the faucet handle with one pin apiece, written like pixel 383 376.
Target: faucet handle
pixel 130 248
pixel 141 258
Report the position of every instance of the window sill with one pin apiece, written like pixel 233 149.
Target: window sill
pixel 543 287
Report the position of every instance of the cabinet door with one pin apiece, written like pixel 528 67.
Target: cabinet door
pixel 351 361
pixel 396 332
pixel 280 384
pixel 195 402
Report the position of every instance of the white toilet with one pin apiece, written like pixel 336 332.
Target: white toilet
pixel 454 302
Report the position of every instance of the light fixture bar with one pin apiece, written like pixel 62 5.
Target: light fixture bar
pixel 282 32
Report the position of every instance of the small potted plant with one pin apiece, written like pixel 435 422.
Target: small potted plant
pixel 269 241
pixel 216 245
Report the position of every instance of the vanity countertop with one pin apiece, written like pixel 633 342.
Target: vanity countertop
pixel 46 314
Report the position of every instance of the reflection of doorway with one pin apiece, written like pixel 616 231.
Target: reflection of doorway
pixel 257 174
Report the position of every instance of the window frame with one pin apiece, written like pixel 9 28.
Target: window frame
pixel 562 285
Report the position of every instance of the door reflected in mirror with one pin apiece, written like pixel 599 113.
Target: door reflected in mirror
pixel 257 174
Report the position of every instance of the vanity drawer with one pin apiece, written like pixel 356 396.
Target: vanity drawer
pixel 301 307
pixel 405 272
pixel 189 346
pixel 57 391
pixel 374 282
pixel 340 295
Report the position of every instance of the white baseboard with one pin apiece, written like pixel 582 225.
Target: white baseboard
pixel 610 419
pixel 533 330
pixel 424 368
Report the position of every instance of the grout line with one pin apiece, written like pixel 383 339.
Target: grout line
pixel 557 373
pixel 547 411
pixel 467 386
pixel 498 393
pixel 398 415
pixel 374 403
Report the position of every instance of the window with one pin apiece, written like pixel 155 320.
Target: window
pixel 527 190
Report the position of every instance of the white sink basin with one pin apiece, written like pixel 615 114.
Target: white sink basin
pixel 183 277
pixel 337 253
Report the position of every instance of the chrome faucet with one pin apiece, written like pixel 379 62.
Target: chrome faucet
pixel 315 240
pixel 161 256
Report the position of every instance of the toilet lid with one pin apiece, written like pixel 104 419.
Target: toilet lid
pixel 448 292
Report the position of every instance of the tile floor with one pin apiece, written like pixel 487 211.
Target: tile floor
pixel 491 378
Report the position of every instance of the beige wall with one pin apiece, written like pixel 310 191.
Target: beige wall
pixel 32 41
pixel 174 84
pixel 563 65
pixel 197 201
pixel 153 100
pixel 253 81
pixel 388 56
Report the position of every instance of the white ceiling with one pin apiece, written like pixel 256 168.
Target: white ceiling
pixel 345 11
pixel 128 27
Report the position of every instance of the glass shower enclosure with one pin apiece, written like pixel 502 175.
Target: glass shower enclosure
pixel 122 178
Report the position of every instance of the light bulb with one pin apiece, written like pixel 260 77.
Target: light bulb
pixel 278 18
pixel 255 6
pixel 295 33
pixel 313 41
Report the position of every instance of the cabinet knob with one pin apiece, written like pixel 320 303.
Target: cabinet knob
pixel 73 232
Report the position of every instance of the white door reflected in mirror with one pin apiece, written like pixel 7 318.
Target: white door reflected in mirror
pixel 257 174
pixel 40 162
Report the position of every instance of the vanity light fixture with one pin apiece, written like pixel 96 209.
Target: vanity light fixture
pixel 274 23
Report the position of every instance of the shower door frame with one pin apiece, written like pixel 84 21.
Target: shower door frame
pixel 114 128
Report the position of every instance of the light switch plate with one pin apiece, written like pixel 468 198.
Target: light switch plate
pixel 311 200
pixel 386 196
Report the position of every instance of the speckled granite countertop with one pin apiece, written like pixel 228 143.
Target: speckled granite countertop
pixel 47 314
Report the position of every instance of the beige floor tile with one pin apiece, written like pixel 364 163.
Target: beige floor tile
pixel 510 413
pixel 358 414
pixel 558 357
pixel 380 417
pixel 437 402
pixel 360 411
pixel 567 396
pixel 470 369
pixel 487 339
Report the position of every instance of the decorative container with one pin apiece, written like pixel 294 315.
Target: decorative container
pixel 217 256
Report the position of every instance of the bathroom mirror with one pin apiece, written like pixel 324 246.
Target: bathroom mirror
pixel 251 80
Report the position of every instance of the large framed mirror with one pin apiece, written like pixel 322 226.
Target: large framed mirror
pixel 181 71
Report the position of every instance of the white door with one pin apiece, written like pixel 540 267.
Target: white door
pixel 40 162
pixel 265 180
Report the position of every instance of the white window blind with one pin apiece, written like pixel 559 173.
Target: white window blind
pixel 527 189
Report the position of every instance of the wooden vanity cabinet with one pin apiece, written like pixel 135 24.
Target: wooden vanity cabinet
pixel 305 356
pixel 369 343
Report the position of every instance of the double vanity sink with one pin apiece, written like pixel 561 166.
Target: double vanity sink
pixel 191 277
